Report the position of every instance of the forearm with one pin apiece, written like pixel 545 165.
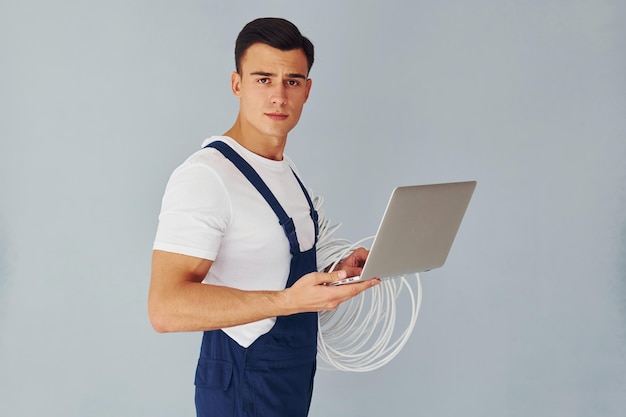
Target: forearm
pixel 193 306
pixel 179 301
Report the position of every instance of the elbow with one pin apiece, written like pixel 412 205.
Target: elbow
pixel 159 319
pixel 159 326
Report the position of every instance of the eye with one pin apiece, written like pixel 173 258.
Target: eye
pixel 263 80
pixel 293 83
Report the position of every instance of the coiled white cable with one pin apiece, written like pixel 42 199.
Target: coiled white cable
pixel 359 335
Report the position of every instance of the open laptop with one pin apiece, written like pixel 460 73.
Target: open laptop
pixel 417 230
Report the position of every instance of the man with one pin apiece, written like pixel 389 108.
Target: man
pixel 235 251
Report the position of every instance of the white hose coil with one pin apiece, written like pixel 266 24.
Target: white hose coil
pixel 359 335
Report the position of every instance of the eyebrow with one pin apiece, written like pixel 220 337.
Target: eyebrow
pixel 270 74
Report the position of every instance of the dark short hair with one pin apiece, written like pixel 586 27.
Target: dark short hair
pixel 275 32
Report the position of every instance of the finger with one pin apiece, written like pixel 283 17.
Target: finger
pixel 333 276
pixel 352 271
pixel 359 287
pixel 368 283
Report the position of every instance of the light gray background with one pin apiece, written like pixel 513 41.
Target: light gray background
pixel 99 101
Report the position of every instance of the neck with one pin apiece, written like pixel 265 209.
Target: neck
pixel 270 147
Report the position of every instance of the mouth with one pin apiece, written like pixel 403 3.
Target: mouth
pixel 277 116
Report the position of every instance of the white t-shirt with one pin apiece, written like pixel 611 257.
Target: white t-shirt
pixel 211 211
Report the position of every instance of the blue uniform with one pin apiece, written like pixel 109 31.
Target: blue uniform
pixel 274 375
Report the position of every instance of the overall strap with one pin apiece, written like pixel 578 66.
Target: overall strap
pixel 285 221
pixel 313 212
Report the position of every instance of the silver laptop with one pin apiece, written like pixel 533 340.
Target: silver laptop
pixel 417 230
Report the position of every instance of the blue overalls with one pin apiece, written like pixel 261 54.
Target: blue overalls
pixel 274 375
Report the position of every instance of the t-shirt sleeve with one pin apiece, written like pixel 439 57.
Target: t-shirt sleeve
pixel 195 212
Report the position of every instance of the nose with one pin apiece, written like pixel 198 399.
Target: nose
pixel 279 94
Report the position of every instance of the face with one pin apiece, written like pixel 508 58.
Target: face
pixel 272 87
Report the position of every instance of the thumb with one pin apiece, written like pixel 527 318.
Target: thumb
pixel 335 276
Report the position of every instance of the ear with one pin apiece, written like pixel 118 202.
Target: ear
pixel 235 83
pixel 309 82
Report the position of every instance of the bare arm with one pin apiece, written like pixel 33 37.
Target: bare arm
pixel 178 301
